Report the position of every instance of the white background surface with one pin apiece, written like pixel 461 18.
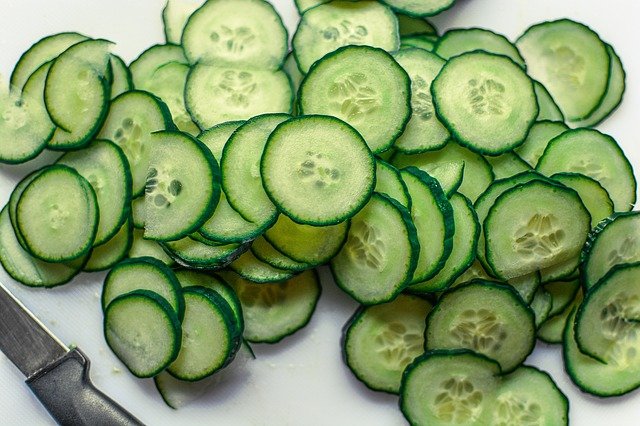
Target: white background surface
pixel 300 381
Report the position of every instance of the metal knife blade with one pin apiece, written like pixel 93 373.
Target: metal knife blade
pixel 24 339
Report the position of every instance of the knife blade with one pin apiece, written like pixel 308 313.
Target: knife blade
pixel 58 376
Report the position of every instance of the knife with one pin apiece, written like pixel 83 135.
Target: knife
pixel 58 376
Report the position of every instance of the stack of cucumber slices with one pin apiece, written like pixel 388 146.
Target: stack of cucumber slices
pixel 454 185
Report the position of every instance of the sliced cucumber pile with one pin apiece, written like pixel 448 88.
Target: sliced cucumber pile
pixel 451 185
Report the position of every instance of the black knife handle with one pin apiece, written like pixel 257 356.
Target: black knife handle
pixel 66 391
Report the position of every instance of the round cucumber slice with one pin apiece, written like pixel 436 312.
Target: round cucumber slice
pixel 461 40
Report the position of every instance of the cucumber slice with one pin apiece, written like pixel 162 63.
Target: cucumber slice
pixel 273 311
pixel 328 27
pixel 539 136
pixel 25 126
pixel 421 7
pixel 143 332
pixel 390 183
pixel 26 269
pixel 448 164
pixel 217 34
pixel 240 167
pixel 614 241
pixel 549 110
pixel 381 252
pixel 314 245
pixel 465 241
pixel 379 341
pixel 175 15
pixel 433 218
pixel 57 215
pixel 308 176
pixel 144 273
pixel 462 40
pixel 251 268
pixel 551 229
pixel 210 335
pixel 133 117
pixel 593 195
pixel 182 187
pixel 105 167
pixel 122 81
pixel 571 61
pixel 489 318
pixel 142 247
pixel 196 255
pixel 507 165
pixel 109 253
pixel 43 51
pixel 145 65
pixel 267 253
pixel 498 101
pixel 215 94
pixel 608 320
pixel 597 156
pixel 12 206
pixel 363 86
pixel 448 387
pixel 424 132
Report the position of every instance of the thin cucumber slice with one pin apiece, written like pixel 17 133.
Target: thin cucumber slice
pixel 433 218
pixel 122 81
pixel 529 395
pixel 498 101
pixel 541 305
pixel 226 225
pixel 217 34
pixel 215 94
pixel 420 41
pixel 109 253
pixel 144 273
pixel 461 40
pixel 316 169
pixel 145 65
pixel 188 278
pixel 539 136
pixel 613 95
pixel 593 376
pixel 267 253
pixel 390 183
pixel 143 332
pixel 174 17
pixel 142 247
pixel 328 27
pixel 465 241
pixel 614 241
pixel 424 132
pixel 451 161
pixel 20 142
pixel 562 294
pixel 409 25
pixel 26 269
pixel 488 318
pixel 550 229
pixel 210 335
pixel 448 388
pixel 379 341
pixel 571 61
pixel 314 245
pixel 608 320
pixel 420 8
pixel 43 51
pixel 548 109
pixel 196 255
pixel 595 155
pixel 132 117
pixel 507 165
pixel 12 205
pixel 363 86
pixel 77 81
pixel 593 195
pixel 380 254
pixel 57 215
pixel 105 167
pixel 168 82
pixel 273 311
pixel 251 268
pixel 552 329
pixel 183 186
pixel 241 170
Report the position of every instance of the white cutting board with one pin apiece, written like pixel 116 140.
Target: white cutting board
pixel 300 381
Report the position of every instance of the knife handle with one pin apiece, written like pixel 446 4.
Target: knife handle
pixel 66 391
